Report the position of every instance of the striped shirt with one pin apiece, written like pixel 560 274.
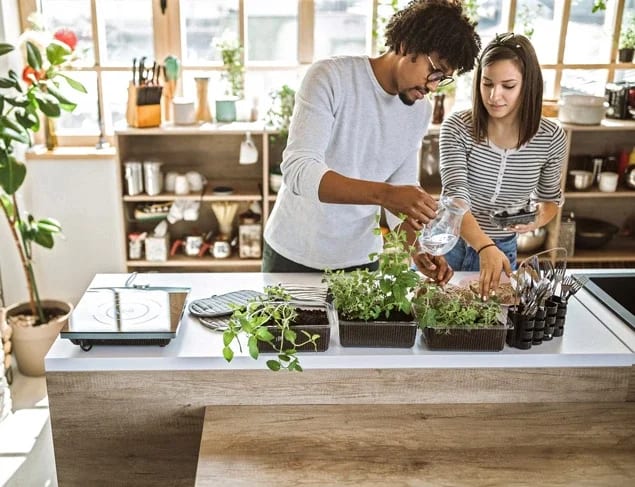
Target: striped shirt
pixel 490 178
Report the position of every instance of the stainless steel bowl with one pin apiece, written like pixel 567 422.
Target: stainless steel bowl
pixel 531 241
pixel 581 179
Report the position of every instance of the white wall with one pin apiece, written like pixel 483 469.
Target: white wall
pixel 83 196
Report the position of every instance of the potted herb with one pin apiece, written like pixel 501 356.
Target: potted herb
pixel 23 101
pixel 279 118
pixel 627 41
pixel 275 323
pixel 374 307
pixel 231 52
pixel 455 318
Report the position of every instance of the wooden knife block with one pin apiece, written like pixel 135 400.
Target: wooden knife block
pixel 142 115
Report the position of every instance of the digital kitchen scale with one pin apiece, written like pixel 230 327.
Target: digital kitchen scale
pixel 615 291
pixel 138 315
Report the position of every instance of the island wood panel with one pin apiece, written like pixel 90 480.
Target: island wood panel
pixel 143 428
pixel 630 396
pixel 424 445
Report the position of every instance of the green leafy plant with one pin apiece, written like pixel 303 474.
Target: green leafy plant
pixel 454 307
pixel 255 320
pixel 627 35
pixel 231 53
pixel 526 17
pixel 385 10
pixel 280 112
pixel 368 295
pixel 598 5
pixel 23 100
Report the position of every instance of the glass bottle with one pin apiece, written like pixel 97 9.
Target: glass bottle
pixel 439 111
pixel 441 234
pixel 566 238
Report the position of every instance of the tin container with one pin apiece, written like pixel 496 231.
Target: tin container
pixel 133 174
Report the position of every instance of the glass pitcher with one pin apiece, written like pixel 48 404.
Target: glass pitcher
pixel 441 234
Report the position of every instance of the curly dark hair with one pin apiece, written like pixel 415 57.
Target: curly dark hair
pixel 424 26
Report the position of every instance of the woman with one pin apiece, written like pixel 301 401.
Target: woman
pixel 500 154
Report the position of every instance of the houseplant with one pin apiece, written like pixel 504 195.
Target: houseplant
pixel 455 318
pixel 231 52
pixel 374 307
pixel 275 323
pixel 278 117
pixel 23 101
pixel 627 41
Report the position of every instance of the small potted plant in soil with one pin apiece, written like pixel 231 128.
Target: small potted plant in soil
pixel 24 100
pixel 627 41
pixel 234 76
pixel 277 324
pixel 374 307
pixel 455 318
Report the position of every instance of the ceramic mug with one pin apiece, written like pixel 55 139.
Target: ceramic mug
pixel 181 185
pixel 248 151
pixel 608 181
pixel 196 180
pixel 170 179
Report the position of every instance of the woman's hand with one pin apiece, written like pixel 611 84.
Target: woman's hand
pixel 434 267
pixel 492 263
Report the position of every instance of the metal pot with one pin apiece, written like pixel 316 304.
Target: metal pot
pixel 581 179
pixel 582 109
pixel 593 234
pixel 531 241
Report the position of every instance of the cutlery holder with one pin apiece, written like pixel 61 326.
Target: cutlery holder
pixel 522 332
pixel 560 315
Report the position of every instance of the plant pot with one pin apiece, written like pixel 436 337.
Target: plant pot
pixel 226 110
pixel 465 339
pixel 398 331
pixel 32 343
pixel 625 55
pixel 315 320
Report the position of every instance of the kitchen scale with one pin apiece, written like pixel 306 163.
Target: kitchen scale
pixel 615 291
pixel 137 315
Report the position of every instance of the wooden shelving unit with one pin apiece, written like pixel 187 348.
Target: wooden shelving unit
pixel 211 149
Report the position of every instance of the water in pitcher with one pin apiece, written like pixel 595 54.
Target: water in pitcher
pixel 441 234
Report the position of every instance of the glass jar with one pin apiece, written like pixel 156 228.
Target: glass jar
pixel 440 235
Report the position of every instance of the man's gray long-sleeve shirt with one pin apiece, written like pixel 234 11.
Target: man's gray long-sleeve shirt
pixel 343 121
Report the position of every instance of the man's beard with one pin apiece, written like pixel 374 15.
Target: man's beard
pixel 405 100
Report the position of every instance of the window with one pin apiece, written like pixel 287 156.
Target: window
pixel 282 37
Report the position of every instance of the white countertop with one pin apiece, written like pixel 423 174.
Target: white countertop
pixel 593 337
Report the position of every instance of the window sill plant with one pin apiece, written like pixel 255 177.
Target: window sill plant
pixel 277 324
pixel 374 307
pixel 627 41
pixel 24 101
pixel 454 318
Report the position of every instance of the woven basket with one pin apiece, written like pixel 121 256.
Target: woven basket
pixel 476 339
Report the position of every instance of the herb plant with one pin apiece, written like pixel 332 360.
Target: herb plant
pixel 368 295
pixel 453 307
pixel 276 310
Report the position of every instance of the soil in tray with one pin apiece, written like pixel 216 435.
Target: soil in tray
pixel 314 322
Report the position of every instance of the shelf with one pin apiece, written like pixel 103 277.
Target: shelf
pixel 622 193
pixel 607 124
pixel 242 192
pixel 234 128
pixel 200 262
pixel 619 249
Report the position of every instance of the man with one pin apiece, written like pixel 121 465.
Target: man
pixel 354 140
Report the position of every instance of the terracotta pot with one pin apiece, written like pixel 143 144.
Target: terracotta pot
pixel 32 343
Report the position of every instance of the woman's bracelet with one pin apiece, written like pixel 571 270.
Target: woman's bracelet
pixel 484 247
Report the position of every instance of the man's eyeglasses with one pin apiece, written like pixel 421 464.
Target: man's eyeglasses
pixel 438 76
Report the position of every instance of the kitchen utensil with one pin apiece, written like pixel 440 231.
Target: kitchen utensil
pixel 582 109
pixel 592 233
pixel 225 212
pixel 248 151
pixel 441 234
pixel 153 177
pixel 607 181
pixel 531 241
pixel 133 173
pixel 581 180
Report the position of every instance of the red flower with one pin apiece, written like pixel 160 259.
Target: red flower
pixel 28 70
pixel 66 36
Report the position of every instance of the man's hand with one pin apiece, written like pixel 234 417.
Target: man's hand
pixel 418 206
pixel 434 267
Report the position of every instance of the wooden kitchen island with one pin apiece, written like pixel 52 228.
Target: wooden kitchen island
pixel 562 413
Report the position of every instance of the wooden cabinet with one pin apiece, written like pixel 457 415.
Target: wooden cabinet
pixel 609 138
pixel 213 151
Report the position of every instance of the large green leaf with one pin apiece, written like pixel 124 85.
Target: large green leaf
pixel 48 104
pixel 65 103
pixel 25 119
pixel 45 239
pixel 57 52
pixel 7 83
pixel 5 48
pixel 49 225
pixel 33 56
pixel 12 175
pixel 76 85
pixel 11 133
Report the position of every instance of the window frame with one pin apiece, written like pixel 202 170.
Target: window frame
pixel 168 40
